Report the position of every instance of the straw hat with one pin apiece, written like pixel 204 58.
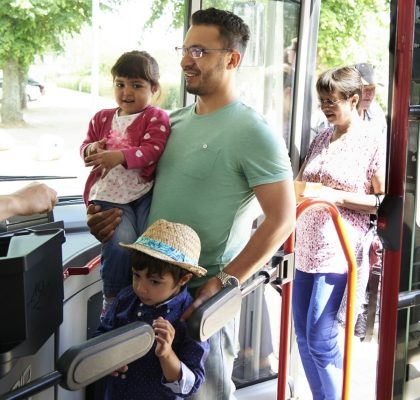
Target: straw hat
pixel 177 244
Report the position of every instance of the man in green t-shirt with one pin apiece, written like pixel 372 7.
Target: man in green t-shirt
pixel 220 161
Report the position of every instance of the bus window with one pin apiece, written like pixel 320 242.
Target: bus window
pixel 266 75
pixel 78 83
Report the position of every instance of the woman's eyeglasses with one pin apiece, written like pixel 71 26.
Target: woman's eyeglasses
pixel 329 102
pixel 196 52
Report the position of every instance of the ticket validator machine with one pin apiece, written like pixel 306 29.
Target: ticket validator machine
pixel 31 294
pixel 31 304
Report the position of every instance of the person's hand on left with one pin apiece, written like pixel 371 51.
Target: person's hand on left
pixel 33 198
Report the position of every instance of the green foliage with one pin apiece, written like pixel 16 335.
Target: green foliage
pixel 170 97
pixel 30 28
pixel 343 28
pixel 177 10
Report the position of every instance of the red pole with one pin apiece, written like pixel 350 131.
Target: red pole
pixel 396 185
pixel 285 324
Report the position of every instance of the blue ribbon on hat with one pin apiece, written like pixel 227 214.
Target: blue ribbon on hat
pixel 164 248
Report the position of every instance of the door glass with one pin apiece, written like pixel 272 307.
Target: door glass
pixel 266 75
pixel 408 336
pixel 265 82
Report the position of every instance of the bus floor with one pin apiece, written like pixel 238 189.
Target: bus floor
pixel 363 362
pixel 362 372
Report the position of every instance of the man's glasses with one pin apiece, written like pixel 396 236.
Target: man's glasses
pixel 329 102
pixel 196 52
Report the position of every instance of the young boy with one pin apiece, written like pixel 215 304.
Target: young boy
pixel 163 260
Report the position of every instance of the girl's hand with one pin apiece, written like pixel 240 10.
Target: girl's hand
pixel 165 334
pixel 95 147
pixel 104 161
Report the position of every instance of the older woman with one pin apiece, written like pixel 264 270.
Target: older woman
pixel 348 159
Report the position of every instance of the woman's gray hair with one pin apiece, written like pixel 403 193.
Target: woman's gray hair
pixel 345 81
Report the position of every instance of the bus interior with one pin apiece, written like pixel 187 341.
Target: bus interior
pixel 276 78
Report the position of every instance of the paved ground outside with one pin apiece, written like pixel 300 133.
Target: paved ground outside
pixel 48 144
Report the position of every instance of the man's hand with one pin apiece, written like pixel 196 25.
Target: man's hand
pixel 102 224
pixel 211 287
pixel 104 161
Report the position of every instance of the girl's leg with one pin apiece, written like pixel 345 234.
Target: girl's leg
pixel 141 208
pixel 301 300
pixel 115 260
pixel 322 331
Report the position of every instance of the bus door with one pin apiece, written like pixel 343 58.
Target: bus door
pixel 402 250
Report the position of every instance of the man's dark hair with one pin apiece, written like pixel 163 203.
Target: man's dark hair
pixel 234 32
pixel 141 261
pixel 137 64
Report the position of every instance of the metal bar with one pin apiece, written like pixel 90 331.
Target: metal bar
pixel 285 324
pixel 34 387
pixel 408 299
pixel 263 277
pixel 6 178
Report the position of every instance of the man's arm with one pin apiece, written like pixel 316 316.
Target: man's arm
pixel 277 201
pixel 32 199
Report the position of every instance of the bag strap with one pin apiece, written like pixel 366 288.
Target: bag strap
pixel 373 287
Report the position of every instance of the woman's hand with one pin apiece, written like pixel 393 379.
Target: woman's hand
pixel 329 194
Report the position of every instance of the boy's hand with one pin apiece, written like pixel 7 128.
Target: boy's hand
pixel 120 372
pixel 104 161
pixel 165 334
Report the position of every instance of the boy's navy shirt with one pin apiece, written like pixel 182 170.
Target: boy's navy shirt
pixel 144 378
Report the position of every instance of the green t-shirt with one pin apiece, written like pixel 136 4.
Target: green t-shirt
pixel 206 174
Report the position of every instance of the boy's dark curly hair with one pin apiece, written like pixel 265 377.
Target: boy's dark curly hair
pixel 141 261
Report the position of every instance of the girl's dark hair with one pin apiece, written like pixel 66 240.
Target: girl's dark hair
pixel 346 81
pixel 234 32
pixel 141 261
pixel 137 64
